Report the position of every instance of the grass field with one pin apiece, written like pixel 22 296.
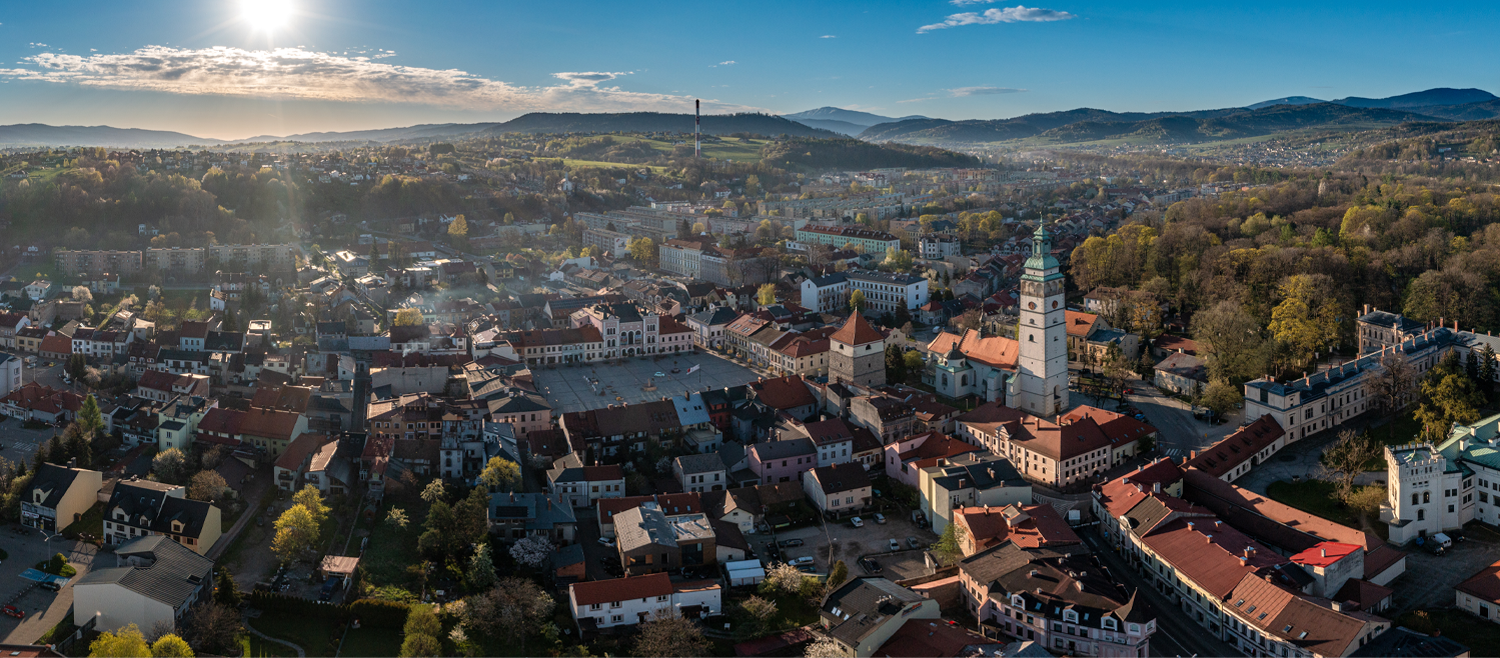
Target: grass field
pixel 1316 497
pixel 392 550
pixel 372 641
pixel 315 636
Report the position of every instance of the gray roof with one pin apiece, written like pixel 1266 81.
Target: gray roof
pixel 168 572
pixel 642 526
pixel 864 605
pixel 1403 641
pixel 894 278
pixel 798 447
pixel 1387 319
pixel 703 463
pixel 984 472
pixel 715 317
pixel 54 481
pixel 537 510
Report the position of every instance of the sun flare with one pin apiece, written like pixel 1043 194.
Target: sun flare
pixel 266 15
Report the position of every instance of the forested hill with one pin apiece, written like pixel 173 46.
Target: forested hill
pixel 1090 125
pixel 40 134
pixel 654 122
pixel 822 154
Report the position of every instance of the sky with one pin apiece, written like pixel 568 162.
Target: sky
pixel 232 69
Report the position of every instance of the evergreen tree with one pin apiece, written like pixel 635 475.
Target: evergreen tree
pixel 90 419
pixel 1471 365
pixel 229 322
pixel 226 591
pixel 78 447
pixel 1487 369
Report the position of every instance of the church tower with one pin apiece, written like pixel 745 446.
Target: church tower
pixel 856 353
pixel 1043 335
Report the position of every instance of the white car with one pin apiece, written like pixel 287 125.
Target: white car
pixel 801 562
pixel 606 541
pixel 857 522
pixel 895 546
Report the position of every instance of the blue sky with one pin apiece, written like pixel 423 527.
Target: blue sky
pixel 200 67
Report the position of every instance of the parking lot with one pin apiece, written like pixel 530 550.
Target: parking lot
pixel 21 443
pixel 574 388
pixel 826 543
pixel 1429 579
pixel 42 609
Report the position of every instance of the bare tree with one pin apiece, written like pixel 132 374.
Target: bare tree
pixel 1346 459
pixel 1394 386
pixel 670 635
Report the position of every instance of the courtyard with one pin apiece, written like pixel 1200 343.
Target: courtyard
pixel 593 385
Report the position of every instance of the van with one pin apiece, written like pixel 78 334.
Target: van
pixel 30 362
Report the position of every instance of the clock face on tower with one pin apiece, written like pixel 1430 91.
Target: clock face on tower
pixel 1031 305
pixel 1054 303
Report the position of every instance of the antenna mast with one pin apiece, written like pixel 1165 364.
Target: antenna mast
pixel 697 121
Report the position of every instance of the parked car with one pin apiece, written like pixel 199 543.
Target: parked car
pixel 871 566
pixel 880 518
pixel 895 546
pixel 50 586
pixel 12 611
pixel 807 568
pixel 912 542
pixel 788 543
pixel 801 561
pixel 606 541
pixel 857 522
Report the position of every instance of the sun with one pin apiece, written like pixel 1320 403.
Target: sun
pixel 266 15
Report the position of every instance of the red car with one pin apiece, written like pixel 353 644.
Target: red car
pixel 12 611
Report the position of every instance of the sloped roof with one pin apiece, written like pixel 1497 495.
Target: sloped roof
pixel 856 331
pixel 783 393
pixel 996 351
pixel 1237 448
pixel 173 575
pixel 621 589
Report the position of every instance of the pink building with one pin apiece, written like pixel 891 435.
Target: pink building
pixel 906 458
pixel 782 461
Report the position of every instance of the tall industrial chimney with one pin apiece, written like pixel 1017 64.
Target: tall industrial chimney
pixel 697 121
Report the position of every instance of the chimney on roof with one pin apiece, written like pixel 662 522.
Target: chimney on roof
pixel 1190 525
pixel 1249 552
pixel 1209 538
pixel 1138 486
pixel 1155 487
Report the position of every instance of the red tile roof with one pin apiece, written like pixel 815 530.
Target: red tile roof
pixel 997 351
pixel 783 393
pixel 669 504
pixel 1080 324
pixel 856 331
pixel 1484 585
pixel 56 344
pixel 1213 557
pixel 270 424
pixel 1031 526
pixel 931 638
pixel 621 589
pixel 297 452
pixel 1237 448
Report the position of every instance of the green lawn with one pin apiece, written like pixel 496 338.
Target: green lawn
pixel 609 165
pixel 314 635
pixel 1482 637
pixel 91 523
pixel 1316 497
pixel 254 647
pixel 392 550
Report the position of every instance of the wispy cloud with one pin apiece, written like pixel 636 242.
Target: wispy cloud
pixel 724 63
pixel 960 92
pixel 829 36
pixel 297 73
pixel 992 16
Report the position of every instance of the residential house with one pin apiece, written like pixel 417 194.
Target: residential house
pixel 701 472
pixel 1182 373
pixel 782 461
pixel 570 481
pixel 633 600
pixel 139 508
pixel 972 479
pixel 865 612
pixel 153 584
pixel 1027 526
pixel 650 541
pixel 516 515
pixel 837 490
pixel 905 459
pixel 58 496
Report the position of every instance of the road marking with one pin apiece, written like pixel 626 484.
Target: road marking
pixel 1173 452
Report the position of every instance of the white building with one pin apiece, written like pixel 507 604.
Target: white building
pixel 1043 333
pixel 600 604
pixel 938 247
pixel 155 581
pixel 10 373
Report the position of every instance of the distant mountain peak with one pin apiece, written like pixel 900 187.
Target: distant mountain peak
pixel 856 117
pixel 1440 96
pixel 1289 100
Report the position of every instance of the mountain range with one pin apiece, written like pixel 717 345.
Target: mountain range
pixel 1265 118
pixel 1079 125
pixel 36 134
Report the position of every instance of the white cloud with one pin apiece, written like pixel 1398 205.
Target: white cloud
pixel 300 74
pixel 992 16
pixel 829 36
pixel 728 63
pixel 960 92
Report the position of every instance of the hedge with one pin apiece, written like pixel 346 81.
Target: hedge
pixel 298 605
pixel 379 612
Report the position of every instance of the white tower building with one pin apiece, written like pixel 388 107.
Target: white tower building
pixel 1042 387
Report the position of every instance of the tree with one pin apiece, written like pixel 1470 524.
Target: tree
pixel 1487 369
pixel 1346 459
pixel 396 518
pixel 458 230
pixel 408 317
pixel 422 620
pixel 421 645
pixel 1220 396
pixel 171 646
pixel 970 320
pixel 77 367
pixel 669 635
pixel 766 294
pixel 899 260
pixel 643 250
pixel 1145 318
pixel 1393 384
pixel 513 609
pixel 914 362
pixel 77 446
pixel 857 301
pixel 837 575
pixel 1447 398
pixel 312 499
pixel 532 551
pixel 782 578
pixel 213 628
pixel 170 466
pixel 1307 319
pixel 481 574
pixel 1367 499
pixel 296 533
pixel 207 486
pixel 760 609
pixel 1231 342
pixel 434 491
pixel 90 419
pixel 824 648
pixel 127 642
pixel 226 591
pixel 950 546
pixel 374 253
pixel 1116 368
pixel 895 364
pixel 501 475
